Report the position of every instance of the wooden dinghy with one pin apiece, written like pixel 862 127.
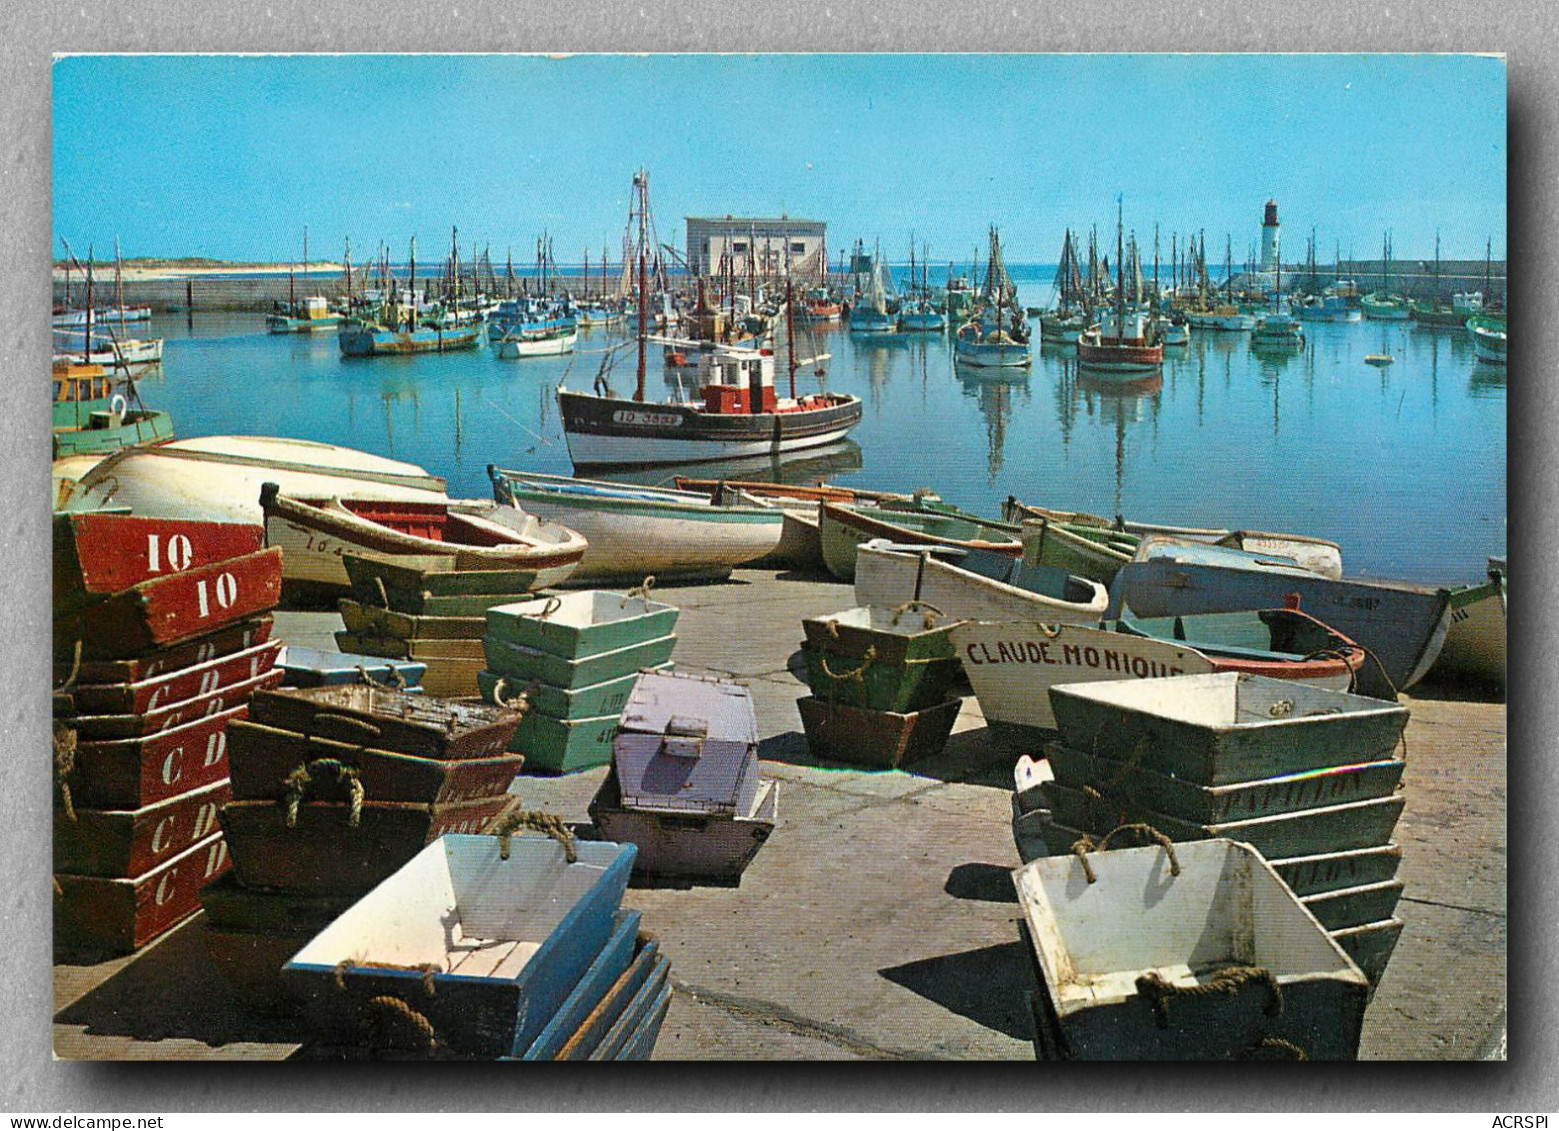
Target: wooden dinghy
pixel 801 541
pixel 844 527
pixel 1315 554
pixel 1226 727
pixel 218 478
pixel 974 584
pixel 437 536
pixel 888 659
pixel 1474 646
pixel 467 950
pixel 389 720
pixel 1094 552
pixel 1012 665
pixel 1401 625
pixel 634 531
pixel 172 608
pixel 1128 946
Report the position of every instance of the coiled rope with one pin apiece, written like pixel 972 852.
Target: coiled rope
pixel 65 765
pixel 305 775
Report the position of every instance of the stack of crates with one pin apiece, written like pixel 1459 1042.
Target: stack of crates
pixel 161 636
pixel 1307 776
pixel 574 657
pixel 881 683
pixel 401 611
pixel 333 789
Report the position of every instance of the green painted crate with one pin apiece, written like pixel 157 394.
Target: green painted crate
pixel 370 620
pixel 895 636
pixel 578 625
pixel 564 745
pixel 560 703
pixel 404 584
pixel 901 688
pixel 528 664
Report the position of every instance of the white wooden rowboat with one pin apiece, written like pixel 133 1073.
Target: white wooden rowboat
pixel 978 585
pixel 218 478
pixel 468 535
pixel 1475 642
pixel 636 531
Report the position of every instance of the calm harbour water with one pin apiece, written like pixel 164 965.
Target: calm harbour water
pixel 1404 466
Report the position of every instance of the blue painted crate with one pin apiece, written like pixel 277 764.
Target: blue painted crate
pixel 463 953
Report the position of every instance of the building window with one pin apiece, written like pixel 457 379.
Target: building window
pixel 740 247
pixel 798 248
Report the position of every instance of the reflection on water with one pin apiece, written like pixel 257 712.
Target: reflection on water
pixel 1404 466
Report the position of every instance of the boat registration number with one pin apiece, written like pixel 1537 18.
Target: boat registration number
pixel 656 419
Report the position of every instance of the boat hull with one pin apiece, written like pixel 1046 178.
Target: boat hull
pixel 992 355
pixel 888 579
pixel 1108 358
pixel 1402 626
pixel 615 432
pixel 361 342
pixel 843 528
pixel 511 348
pixel 1475 642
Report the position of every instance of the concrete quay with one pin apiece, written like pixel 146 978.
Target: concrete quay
pixel 879 920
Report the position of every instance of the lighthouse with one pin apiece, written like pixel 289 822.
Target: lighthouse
pixel 1269 238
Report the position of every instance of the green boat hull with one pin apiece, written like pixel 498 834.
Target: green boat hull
pixel 148 427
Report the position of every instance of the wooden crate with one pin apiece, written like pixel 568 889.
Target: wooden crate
pixel 96 914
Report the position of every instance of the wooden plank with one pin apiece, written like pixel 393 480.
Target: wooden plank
pixel 186 683
pixel 100 727
pixel 640 1044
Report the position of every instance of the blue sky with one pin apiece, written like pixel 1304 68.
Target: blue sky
pixel 231 156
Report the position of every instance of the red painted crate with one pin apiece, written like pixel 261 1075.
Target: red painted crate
pixel 131 842
pixel 172 609
pixel 96 555
pixel 96 728
pixel 96 914
pixel 175 686
pixel 131 773
pixel 223 642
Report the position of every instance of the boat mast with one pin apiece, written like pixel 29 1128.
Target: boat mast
pixel 86 342
pixel 411 319
pixel 1228 269
pixel 790 334
pixel 638 392
pixel 1157 294
pixel 1120 270
pixel 119 289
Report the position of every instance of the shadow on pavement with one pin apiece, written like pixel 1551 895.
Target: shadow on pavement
pixel 987 986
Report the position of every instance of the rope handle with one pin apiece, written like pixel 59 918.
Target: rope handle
pixel 554 603
pixel 1228 981
pixel 854 673
pixel 513 818
pixel 641 590
pixel 385 1013
pixel 931 612
pixel 1086 844
pixel 308 773
pixel 65 765
pixel 397 682
pixel 384 597
pixel 520 703
pixel 75 670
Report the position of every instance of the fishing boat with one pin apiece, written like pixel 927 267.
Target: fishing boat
pixel 1181 952
pixel 973 583
pixel 1013 663
pixel 400 326
pixel 471 535
pixel 739 414
pixel 1379 360
pixel 874 298
pixel 1066 320
pixel 1488 338
pixel 111 352
pixel 219 478
pixel 1316 554
pixel 1277 329
pixel 1124 345
pixel 1329 308
pixel 302 316
pixel 90 418
pixel 844 526
pixel 919 312
pixel 479 941
pixel 820 306
pixel 539 343
pixel 635 531
pixel 1400 625
pixel 1475 643
pixel 1382 305
pixel 997 334
pixel 801 541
